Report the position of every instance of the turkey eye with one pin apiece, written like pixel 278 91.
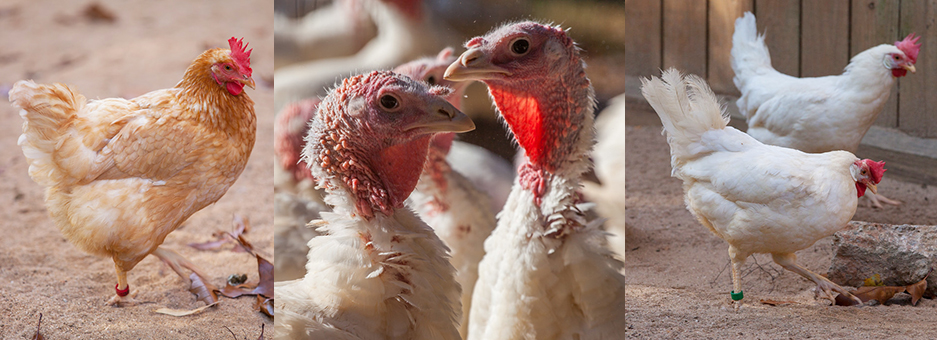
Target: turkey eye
pixel 389 102
pixel 431 80
pixel 520 46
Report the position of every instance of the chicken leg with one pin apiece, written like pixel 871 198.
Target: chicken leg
pixel 789 262
pixel 738 260
pixel 177 262
pixel 124 296
pixel 877 199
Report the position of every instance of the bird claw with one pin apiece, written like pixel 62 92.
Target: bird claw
pixel 121 301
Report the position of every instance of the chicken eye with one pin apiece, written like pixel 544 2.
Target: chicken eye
pixel 431 80
pixel 520 46
pixel 897 57
pixel 227 67
pixel 389 102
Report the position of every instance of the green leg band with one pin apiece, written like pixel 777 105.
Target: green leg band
pixel 737 296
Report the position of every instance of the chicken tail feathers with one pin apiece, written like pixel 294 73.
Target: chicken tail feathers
pixel 49 111
pixel 687 108
pixel 749 52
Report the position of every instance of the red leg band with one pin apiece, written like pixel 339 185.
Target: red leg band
pixel 122 293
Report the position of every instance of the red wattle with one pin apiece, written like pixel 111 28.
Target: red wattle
pixel 234 88
pixel 527 123
pixel 860 188
pixel 899 72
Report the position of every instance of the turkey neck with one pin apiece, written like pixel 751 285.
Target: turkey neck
pixel 552 119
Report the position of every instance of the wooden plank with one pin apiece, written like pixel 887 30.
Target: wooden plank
pixel 917 103
pixel 643 37
pixel 780 21
pixel 722 15
pixel 685 36
pixel 875 22
pixel 824 39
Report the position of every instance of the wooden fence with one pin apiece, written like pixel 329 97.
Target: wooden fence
pixel 805 37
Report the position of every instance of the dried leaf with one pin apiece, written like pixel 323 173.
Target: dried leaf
pixel 874 281
pixel 917 290
pixel 236 291
pixel 95 12
pixel 265 271
pixel 210 245
pixel 241 225
pixel 776 303
pixel 204 291
pixel 843 300
pixel 39 336
pixel 183 312
pixel 264 305
pixel 880 294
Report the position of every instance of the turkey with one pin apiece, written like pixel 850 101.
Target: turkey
pixel 447 201
pixel 758 198
pixel 377 271
pixel 547 272
pixel 815 114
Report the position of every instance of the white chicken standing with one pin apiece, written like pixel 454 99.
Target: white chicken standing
pixel 547 272
pixel 377 271
pixel 759 198
pixel 817 114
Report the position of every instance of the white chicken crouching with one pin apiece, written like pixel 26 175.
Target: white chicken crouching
pixel 378 271
pixel 759 198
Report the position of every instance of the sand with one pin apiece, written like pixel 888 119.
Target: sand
pixel 147 47
pixel 679 282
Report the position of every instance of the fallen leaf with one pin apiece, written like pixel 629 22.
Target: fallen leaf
pixel 917 290
pixel 210 245
pixel 874 281
pixel 265 271
pixel 183 312
pixel 264 305
pixel 880 294
pixel 776 303
pixel 97 13
pixel 203 291
pixel 241 226
pixel 39 336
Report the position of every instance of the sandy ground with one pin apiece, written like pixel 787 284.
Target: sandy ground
pixel 678 279
pixel 147 48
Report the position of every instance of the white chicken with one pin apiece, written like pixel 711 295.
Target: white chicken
pixel 377 271
pixel 815 114
pixel 759 198
pixel 547 273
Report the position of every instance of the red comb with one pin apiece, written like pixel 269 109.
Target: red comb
pixel 910 47
pixel 241 58
pixel 877 169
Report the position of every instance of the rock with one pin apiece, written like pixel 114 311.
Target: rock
pixel 900 254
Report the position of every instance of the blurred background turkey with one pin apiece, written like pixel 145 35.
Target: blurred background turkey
pixel 320 42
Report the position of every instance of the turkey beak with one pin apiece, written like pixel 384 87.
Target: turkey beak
pixel 473 65
pixel 908 67
pixel 442 117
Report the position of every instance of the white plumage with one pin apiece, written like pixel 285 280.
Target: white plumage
pixel 759 198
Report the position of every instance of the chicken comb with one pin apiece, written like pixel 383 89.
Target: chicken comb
pixel 910 47
pixel 241 58
pixel 877 169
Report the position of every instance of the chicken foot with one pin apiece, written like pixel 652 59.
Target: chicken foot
pixel 789 262
pixel 124 296
pixel 877 199
pixel 177 262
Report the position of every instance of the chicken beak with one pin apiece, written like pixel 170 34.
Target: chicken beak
pixel 443 118
pixel 473 65
pixel 909 67
pixel 248 81
pixel 872 187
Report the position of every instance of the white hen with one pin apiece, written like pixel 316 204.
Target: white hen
pixel 759 198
